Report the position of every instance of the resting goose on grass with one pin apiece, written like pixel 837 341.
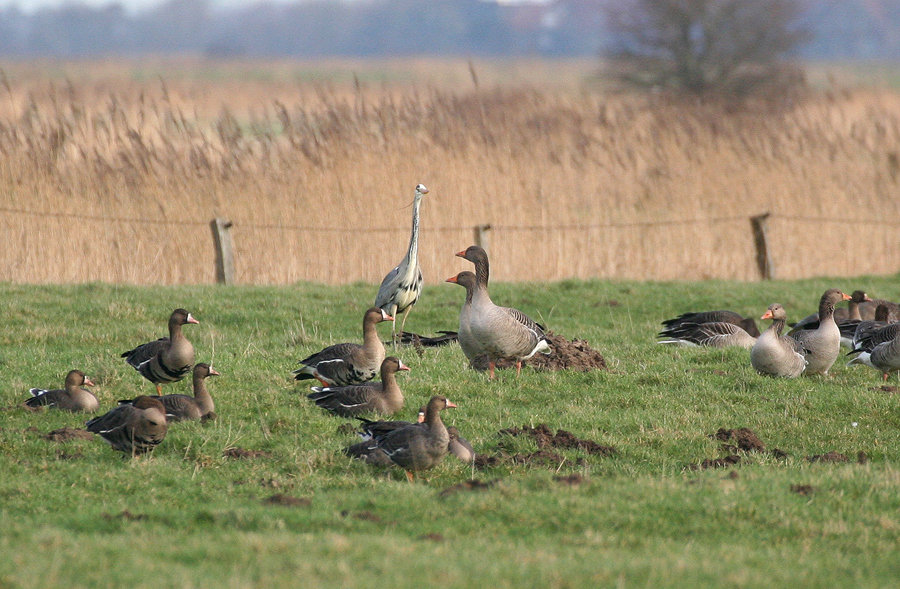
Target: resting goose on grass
pixel 347 364
pixel 419 446
pixel 185 407
pixel 384 397
pixel 72 398
pixel 774 354
pixel 132 429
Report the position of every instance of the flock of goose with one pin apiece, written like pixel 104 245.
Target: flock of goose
pixel 869 327
pixel 345 371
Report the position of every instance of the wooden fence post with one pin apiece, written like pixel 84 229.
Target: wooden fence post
pixel 763 256
pixel 482 237
pixel 221 229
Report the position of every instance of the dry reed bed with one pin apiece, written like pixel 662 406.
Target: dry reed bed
pixel 119 181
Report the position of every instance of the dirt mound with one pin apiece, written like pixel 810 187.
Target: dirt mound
pixel 66 434
pixel 572 480
pixel 746 439
pixel 288 501
pixel 470 485
pixel 545 438
pixel 241 453
pixel 576 355
pixel 803 489
pixel 828 457
pixel 717 462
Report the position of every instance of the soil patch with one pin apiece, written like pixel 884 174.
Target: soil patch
pixel 66 434
pixel 574 355
pixel 828 457
pixel 470 485
pixel 717 462
pixel 288 501
pixel 803 489
pixel 241 453
pixel 433 536
pixel 572 480
pixel 744 438
pixel 545 438
pixel 885 389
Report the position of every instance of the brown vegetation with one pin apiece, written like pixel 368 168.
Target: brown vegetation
pixel 110 179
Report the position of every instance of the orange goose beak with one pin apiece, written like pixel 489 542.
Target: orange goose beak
pixel 845 296
pixel 403 366
pixel 191 319
pixel 88 382
pixel 461 254
pixel 212 372
pixel 767 315
pixel 451 404
pixel 452 278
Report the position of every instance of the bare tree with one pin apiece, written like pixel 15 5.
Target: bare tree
pixel 702 46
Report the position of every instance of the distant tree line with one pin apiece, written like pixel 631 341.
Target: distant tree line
pixel 839 29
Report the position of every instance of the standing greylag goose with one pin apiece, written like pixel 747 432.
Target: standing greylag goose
pixel 132 429
pixel 822 346
pixel 701 317
pixel 402 286
pixel 72 398
pixel 419 446
pixel 368 449
pixel 459 446
pixel 346 364
pixel 884 356
pixel 470 346
pixel 504 332
pixel 716 334
pixel 383 397
pixel 774 354
pixel 168 359
pixel 845 318
pixel 186 407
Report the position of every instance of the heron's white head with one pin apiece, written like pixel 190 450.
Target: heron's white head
pixel 421 189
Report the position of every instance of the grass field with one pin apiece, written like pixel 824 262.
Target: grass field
pixel 75 514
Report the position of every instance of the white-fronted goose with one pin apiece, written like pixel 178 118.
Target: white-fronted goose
pixel 774 354
pixel 854 331
pixel 419 446
pixel 186 408
pixel 717 334
pixel 867 310
pixel 72 398
pixel 502 332
pixel 383 397
pixel 402 286
pixel 346 364
pixel 470 347
pixel 821 346
pixel 701 317
pixel 168 359
pixel 459 446
pixel 884 357
pixel 368 449
pixel 132 429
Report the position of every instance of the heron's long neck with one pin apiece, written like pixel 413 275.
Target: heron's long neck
pixel 413 254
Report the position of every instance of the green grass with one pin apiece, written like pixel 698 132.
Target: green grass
pixel 76 514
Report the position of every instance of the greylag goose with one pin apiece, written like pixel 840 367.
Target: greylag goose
pixel 185 407
pixel 774 354
pixel 701 317
pixel 402 286
pixel 822 346
pixel 470 346
pixel 501 332
pixel 132 429
pixel 346 364
pixel 717 334
pixel 459 446
pixel 383 397
pixel 845 318
pixel 869 334
pixel 168 359
pixel 368 449
pixel 419 446
pixel 72 398
pixel 884 356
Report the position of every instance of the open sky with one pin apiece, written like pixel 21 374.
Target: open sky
pixel 130 5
